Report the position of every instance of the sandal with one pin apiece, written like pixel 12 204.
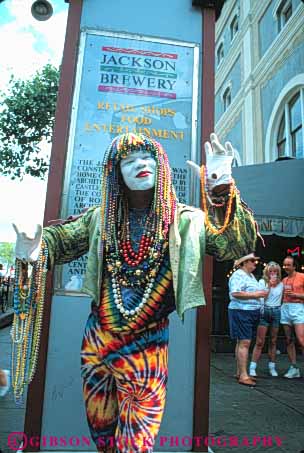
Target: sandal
pixel 247 381
pixel 237 377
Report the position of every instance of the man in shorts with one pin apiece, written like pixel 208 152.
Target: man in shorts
pixel 292 312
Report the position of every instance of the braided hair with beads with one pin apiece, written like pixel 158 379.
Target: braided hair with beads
pixel 112 198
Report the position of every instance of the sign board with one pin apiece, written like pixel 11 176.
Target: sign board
pixel 128 83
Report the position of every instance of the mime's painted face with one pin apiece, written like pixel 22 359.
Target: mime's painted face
pixel 138 170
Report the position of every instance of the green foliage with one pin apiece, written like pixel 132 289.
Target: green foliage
pixel 27 116
pixel 7 253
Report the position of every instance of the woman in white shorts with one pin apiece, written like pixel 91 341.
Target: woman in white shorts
pixel 270 317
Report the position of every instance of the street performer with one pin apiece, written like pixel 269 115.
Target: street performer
pixel 145 260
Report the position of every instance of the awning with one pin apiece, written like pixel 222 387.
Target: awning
pixel 281 226
pixel 275 193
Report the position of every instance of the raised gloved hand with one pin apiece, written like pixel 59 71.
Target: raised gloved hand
pixel 218 163
pixel 27 249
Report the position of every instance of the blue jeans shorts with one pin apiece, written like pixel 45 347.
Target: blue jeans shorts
pixel 243 323
pixel 270 317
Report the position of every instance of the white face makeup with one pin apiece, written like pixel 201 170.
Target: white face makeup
pixel 138 170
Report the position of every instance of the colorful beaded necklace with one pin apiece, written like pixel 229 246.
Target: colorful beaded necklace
pixel 29 292
pixel 129 267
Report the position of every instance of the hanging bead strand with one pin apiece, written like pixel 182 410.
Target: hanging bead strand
pixel 29 293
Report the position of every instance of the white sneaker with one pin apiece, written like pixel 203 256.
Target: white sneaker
pixel 5 388
pixel 292 373
pixel 273 372
pixel 252 372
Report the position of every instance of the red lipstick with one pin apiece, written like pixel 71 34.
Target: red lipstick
pixel 142 174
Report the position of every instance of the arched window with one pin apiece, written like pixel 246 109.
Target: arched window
pixel 290 138
pixel 234 27
pixel 220 54
pixel 227 98
pixel 284 13
pixel 285 128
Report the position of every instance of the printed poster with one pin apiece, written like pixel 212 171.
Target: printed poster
pixel 128 84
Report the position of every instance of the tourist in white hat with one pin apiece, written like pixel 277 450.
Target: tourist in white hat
pixel 244 312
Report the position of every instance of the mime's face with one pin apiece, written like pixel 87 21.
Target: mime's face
pixel 138 170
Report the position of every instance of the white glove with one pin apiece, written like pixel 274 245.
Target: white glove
pixel 218 162
pixel 27 249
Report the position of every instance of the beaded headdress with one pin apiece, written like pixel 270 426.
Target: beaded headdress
pixel 164 200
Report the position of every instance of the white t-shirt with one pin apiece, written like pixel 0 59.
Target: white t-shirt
pixel 274 298
pixel 241 281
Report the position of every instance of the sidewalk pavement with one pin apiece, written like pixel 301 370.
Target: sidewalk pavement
pixel 11 416
pixel 274 408
pixel 273 411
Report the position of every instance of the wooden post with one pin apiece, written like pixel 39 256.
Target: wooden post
pixel 204 314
